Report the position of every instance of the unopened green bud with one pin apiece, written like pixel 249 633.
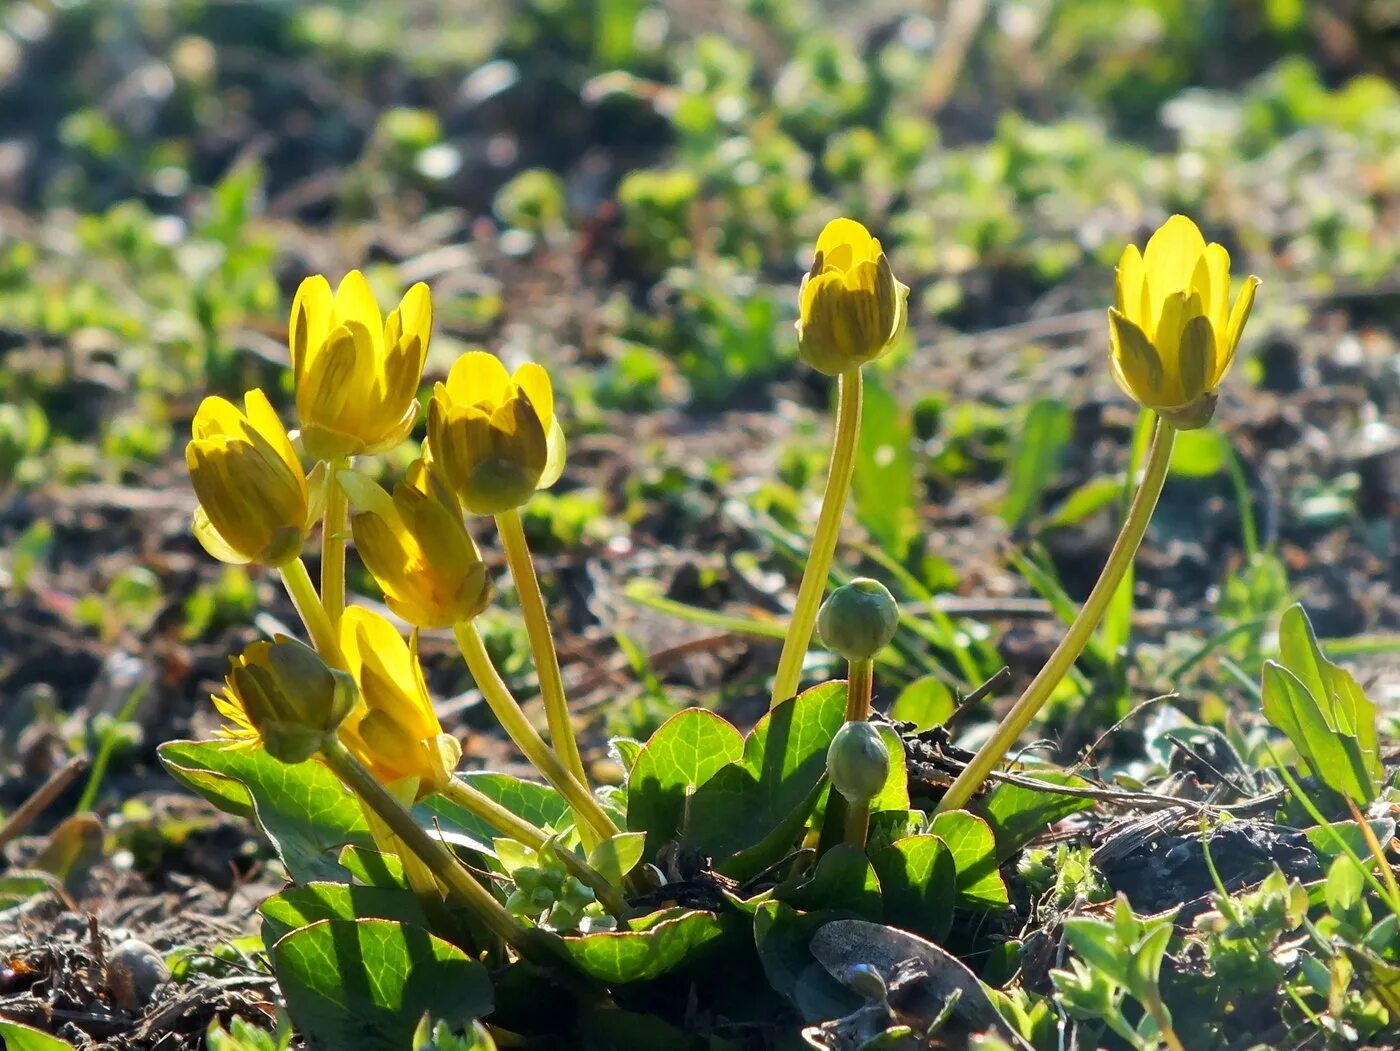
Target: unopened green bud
pixel 294 701
pixel 858 620
pixel 858 762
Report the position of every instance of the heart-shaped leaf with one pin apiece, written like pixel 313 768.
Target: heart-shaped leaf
pixel 300 906
pixel 686 751
pixel 973 847
pixel 918 881
pixel 657 945
pixel 366 983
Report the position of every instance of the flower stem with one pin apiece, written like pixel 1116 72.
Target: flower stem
pixel 431 851
pixel 333 544
pixel 1120 559
pixel 478 803
pixel 592 819
pixel 860 687
pixel 302 592
pixel 857 823
pixel 532 608
pixel 818 568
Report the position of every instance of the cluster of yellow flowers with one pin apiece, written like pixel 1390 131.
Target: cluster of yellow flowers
pixel 493 440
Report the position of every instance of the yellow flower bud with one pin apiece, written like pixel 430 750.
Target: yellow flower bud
pixel 850 307
pixel 254 501
pixel 417 548
pixel 357 374
pixel 282 694
pixel 395 731
pixel 1172 328
pixel 493 435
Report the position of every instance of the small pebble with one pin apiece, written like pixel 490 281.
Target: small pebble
pixel 134 972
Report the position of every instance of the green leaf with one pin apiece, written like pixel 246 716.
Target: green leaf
pixel 1343 706
pixel 894 794
pixel 373 868
pixel 1018 814
pixel 366 983
pixel 883 493
pixel 303 809
pixel 1350 833
pixel 843 879
pixel 973 846
pixel 685 752
pixel 299 906
pixel 773 786
pixel 1034 460
pixel 658 945
pixel 537 803
pixel 618 855
pixel 1335 756
pixel 1199 453
pixel 925 702
pixel 1085 502
pixel 890 825
pixel 20 1037
pixel 918 880
pixel 783 937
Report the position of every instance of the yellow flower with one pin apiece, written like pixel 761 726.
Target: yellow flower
pixel 255 504
pixel 850 307
pixel 1172 328
pixel 417 548
pixel 494 435
pixel 395 731
pixel 357 375
pixel 283 695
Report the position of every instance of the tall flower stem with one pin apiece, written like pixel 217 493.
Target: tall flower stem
pixel 532 608
pixel 1120 559
pixel 483 806
pixel 313 614
pixel 818 568
pixel 593 821
pixel 860 688
pixel 333 541
pixel 432 852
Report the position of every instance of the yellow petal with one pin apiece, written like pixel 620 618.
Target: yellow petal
pixel 416 315
pixel 310 321
pixel 534 381
pixel 216 416
pixel 1172 252
pixel 1244 302
pixel 213 542
pixel 845 242
pixel 1196 358
pixel 1128 284
pixel 479 378
pixel 1211 282
pixel 264 419
pixel 1136 366
pixel 354 301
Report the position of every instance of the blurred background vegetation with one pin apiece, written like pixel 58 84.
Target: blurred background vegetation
pixel 626 190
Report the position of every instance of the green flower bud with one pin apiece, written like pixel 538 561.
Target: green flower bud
pixel 858 762
pixel 288 695
pixel 858 620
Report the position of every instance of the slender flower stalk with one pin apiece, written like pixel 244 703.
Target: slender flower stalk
pixel 333 537
pixel 532 608
pixel 313 614
pixel 1159 458
pixel 593 821
pixel 445 867
pixel 860 688
pixel 818 568
pixel 478 803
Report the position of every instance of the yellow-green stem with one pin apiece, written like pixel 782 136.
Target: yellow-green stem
pixel 430 851
pixel 818 568
pixel 857 823
pixel 532 608
pixel 333 538
pixel 302 592
pixel 593 821
pixel 860 687
pixel 1158 1010
pixel 476 802
pixel 1072 645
